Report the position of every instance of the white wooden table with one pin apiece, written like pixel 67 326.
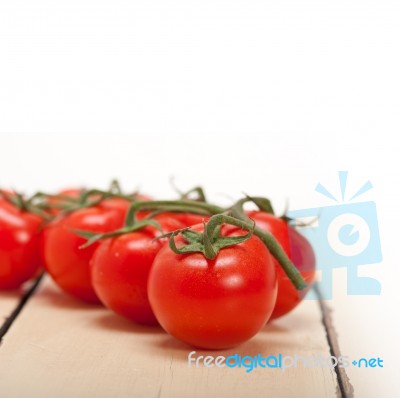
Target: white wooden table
pixel 59 347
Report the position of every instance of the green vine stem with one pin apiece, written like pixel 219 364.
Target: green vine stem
pixel 263 204
pixel 86 198
pixel 94 237
pixel 236 216
pixel 199 191
pixel 272 244
pixel 179 206
pixel 23 204
pixel 131 224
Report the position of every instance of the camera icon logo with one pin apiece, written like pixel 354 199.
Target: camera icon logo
pixel 344 235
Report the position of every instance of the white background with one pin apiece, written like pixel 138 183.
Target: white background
pixel 256 96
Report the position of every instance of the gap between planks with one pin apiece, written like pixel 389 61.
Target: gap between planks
pixel 20 305
pixel 346 389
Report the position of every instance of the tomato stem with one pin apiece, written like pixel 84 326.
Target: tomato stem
pixel 199 191
pixel 263 204
pixel 201 196
pixel 93 237
pixel 209 242
pixel 272 244
pixel 234 215
pixel 184 205
pixel 18 200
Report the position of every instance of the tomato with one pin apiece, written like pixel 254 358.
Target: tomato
pixel 19 245
pixel 218 303
pixel 120 269
pixel 67 264
pixel 300 252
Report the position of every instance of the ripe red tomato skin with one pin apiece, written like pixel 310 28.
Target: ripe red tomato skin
pixel 120 267
pixel 214 304
pixel 19 246
pixel 298 249
pixel 66 263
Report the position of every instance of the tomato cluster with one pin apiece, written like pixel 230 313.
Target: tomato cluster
pixel 211 277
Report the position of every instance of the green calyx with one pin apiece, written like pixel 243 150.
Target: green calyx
pixel 210 241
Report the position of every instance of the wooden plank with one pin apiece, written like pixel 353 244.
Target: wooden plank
pixel 61 348
pixel 12 302
pixel 366 328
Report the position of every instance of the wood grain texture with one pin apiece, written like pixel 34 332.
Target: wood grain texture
pixel 59 347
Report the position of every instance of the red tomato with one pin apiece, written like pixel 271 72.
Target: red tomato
pixel 67 264
pixel 19 245
pixel 214 304
pixel 120 268
pixel 298 249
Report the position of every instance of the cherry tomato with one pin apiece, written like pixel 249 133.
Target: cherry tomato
pixel 218 303
pixel 67 264
pixel 120 268
pixel 298 249
pixel 19 245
